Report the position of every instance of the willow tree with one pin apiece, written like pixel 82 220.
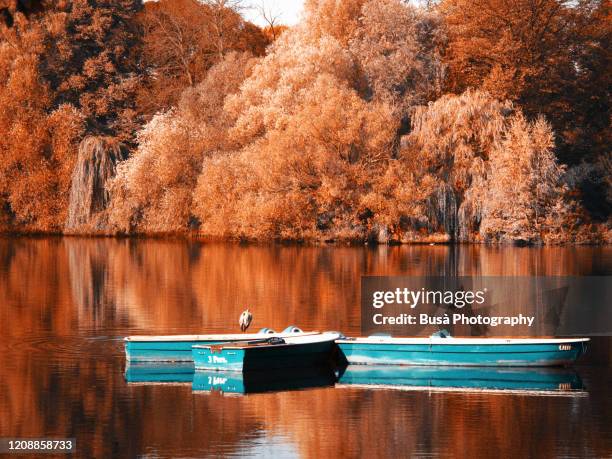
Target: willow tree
pixel 481 154
pixel 524 183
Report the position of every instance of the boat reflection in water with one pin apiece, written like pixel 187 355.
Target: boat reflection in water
pixel 159 373
pixel 532 381
pixel 229 382
pixel 529 381
pixel 253 382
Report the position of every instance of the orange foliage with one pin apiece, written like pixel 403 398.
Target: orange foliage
pixel 153 189
pixel 180 45
pixel 38 144
pixel 312 150
pixel 333 18
pixel 305 179
pixel 340 131
pixel 550 56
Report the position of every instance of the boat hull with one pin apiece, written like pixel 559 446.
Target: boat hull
pixel 162 351
pixel 536 354
pixel 535 380
pixel 246 358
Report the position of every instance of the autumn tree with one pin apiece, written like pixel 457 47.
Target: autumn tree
pixel 310 144
pixel 496 168
pixel 152 191
pixel 223 25
pixel 454 136
pixel 525 173
pixel 337 19
pixel 92 62
pixel 548 56
pixel 396 46
pixel 272 18
pixel 304 179
pixel 67 68
pixel 182 40
pixel 176 40
pixel 38 141
pixel 270 95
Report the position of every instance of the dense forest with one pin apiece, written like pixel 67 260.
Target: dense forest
pixel 371 120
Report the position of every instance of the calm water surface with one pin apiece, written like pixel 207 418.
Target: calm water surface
pixel 66 303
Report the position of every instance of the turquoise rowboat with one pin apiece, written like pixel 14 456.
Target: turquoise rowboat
pixel 256 382
pixel 535 381
pixel 267 354
pixel 439 350
pixel 177 348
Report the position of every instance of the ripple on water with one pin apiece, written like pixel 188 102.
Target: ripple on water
pixel 53 348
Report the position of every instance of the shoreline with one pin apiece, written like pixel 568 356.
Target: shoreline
pixel 179 236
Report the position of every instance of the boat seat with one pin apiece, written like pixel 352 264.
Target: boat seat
pixel 266 331
pixel 441 334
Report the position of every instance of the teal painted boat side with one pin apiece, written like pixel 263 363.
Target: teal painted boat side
pixel 534 354
pixel 477 378
pixel 161 351
pixel 209 358
pixel 234 358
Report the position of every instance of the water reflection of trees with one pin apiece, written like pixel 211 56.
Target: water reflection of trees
pixel 61 285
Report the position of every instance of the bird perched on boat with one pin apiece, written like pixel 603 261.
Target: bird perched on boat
pixel 245 320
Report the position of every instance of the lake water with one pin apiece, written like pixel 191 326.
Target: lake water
pixel 65 304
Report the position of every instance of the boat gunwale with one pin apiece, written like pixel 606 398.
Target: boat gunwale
pixel 225 338
pixel 468 390
pixel 459 341
pixel 262 345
